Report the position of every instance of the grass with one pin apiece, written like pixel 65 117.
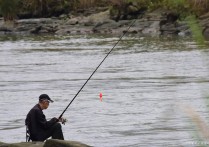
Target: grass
pixel 196 30
pixel 8 9
pixel 201 134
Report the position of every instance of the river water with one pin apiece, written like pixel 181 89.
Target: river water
pixel 145 82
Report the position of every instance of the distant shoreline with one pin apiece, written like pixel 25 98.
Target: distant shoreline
pixel 151 24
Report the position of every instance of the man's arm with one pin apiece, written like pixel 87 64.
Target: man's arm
pixel 41 119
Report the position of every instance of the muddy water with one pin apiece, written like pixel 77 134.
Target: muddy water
pixel 145 83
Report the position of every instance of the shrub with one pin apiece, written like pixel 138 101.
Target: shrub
pixel 8 9
pixel 183 7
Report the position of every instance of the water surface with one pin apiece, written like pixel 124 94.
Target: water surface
pixel 143 81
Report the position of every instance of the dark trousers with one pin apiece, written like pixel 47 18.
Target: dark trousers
pixel 55 132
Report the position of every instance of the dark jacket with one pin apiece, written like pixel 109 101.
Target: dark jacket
pixel 37 123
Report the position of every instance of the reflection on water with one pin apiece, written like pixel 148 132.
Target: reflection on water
pixel 142 81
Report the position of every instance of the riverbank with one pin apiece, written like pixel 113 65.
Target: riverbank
pixel 154 23
pixel 48 143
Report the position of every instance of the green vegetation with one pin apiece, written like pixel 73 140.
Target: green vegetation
pixel 196 30
pixel 187 10
pixel 183 7
pixel 119 9
pixel 47 8
pixel 44 8
pixel 186 7
pixel 8 9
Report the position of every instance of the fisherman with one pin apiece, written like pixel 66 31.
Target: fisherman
pixel 39 128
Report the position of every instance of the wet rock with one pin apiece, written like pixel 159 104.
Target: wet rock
pixel 153 23
pixel 63 143
pixel 73 21
pixel 35 21
pixel 97 18
pixel 106 25
pixel 5 29
pixel 169 24
pixel 155 15
pixel 183 29
pixel 205 16
pixel 204 22
pixel 172 17
pixel 206 33
pixel 36 30
pixel 47 143
pixel 132 9
pixel 185 33
pixel 126 11
pixel 24 144
pixel 153 29
pixel 168 29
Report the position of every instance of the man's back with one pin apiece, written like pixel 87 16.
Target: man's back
pixel 37 123
pixel 39 128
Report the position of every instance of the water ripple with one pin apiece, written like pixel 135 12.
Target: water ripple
pixel 141 81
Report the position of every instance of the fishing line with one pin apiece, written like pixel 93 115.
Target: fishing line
pixel 124 33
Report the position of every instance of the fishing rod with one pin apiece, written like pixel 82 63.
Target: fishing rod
pixel 124 33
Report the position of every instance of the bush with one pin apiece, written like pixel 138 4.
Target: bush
pixel 183 7
pixel 48 8
pixel 44 8
pixel 8 9
pixel 128 9
pixel 199 7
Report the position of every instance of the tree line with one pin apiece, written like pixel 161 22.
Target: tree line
pixel 13 9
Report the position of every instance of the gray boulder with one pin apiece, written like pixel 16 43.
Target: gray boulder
pixel 63 143
pixel 47 143
pixel 23 144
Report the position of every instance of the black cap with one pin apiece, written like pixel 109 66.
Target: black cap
pixel 45 97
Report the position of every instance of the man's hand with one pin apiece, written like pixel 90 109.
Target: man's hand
pixel 63 120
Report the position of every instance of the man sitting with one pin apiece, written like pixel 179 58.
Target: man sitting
pixel 39 128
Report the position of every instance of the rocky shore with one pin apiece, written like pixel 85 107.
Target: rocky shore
pixel 152 24
pixel 48 143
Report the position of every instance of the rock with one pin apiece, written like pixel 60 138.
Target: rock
pixel 155 15
pixel 106 25
pixel 158 22
pixel 24 144
pixel 73 21
pixel 169 28
pixel 205 16
pixel 2 143
pixel 22 28
pixel 172 17
pixel 48 29
pixel 182 26
pixel 48 143
pixel 132 9
pixel 35 21
pixel 63 31
pixel 63 143
pixel 153 29
pixel 97 18
pixel 5 29
pixel 36 30
pixel 63 16
pixel 204 23
pixel 132 31
pixel 206 33
pixel 185 33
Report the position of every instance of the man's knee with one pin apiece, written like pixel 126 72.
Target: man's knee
pixel 57 126
pixel 57 132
